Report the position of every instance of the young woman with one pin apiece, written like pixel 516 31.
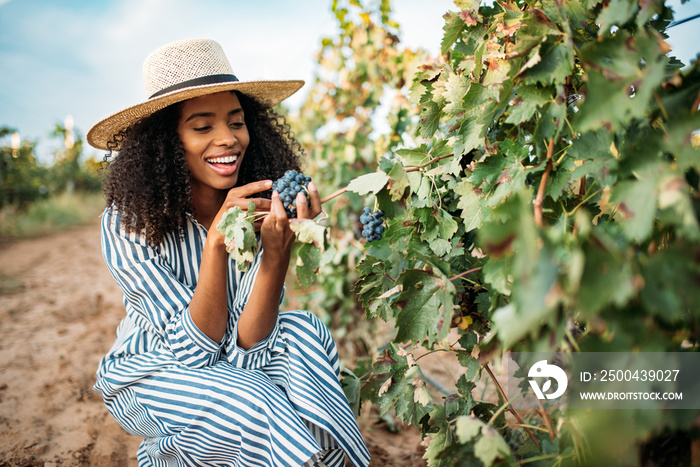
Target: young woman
pixel 205 367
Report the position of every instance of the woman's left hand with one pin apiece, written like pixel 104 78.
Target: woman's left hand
pixel 277 237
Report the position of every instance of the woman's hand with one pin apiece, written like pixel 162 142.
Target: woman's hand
pixel 239 196
pixel 277 236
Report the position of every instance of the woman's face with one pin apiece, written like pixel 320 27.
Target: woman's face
pixel 214 135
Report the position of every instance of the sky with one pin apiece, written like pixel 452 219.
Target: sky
pixel 84 58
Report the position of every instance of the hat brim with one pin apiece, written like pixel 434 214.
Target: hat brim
pixel 270 93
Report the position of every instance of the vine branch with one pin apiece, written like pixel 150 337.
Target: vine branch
pixel 543 184
pixel 547 422
pixel 465 273
pixel 511 409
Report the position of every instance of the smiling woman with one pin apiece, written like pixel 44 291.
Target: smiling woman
pixel 214 137
pixel 205 367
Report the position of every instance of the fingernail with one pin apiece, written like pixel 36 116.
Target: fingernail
pixel 312 186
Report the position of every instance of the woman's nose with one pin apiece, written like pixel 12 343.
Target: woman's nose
pixel 225 136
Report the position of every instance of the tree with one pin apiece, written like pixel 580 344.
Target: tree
pixel 21 177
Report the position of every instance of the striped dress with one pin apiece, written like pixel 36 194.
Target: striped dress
pixel 197 402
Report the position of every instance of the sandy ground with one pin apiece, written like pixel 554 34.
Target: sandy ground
pixel 59 309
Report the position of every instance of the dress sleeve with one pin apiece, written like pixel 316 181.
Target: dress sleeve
pixel 153 296
pixel 260 354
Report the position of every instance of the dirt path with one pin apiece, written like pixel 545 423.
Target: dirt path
pixel 59 308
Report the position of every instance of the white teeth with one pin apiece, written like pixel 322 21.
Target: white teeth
pixel 222 160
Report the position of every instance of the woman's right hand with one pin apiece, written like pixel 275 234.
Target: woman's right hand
pixel 240 196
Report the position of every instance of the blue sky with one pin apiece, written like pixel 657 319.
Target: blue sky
pixel 83 58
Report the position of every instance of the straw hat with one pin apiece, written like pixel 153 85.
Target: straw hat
pixel 179 71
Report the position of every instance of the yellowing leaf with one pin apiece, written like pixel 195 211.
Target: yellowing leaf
pixel 420 394
pixel 465 322
pixel 384 387
pixel 308 231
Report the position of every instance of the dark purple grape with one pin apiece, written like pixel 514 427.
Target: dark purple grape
pixel 373 224
pixel 289 186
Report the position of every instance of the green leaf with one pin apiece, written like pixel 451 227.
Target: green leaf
pixel 456 87
pixel 637 206
pixel 496 273
pixel 607 280
pixel 471 364
pixel 368 183
pixel 534 300
pixel 528 100
pixel 670 284
pixel 399 182
pixel 453 30
pixel 619 87
pixel 617 12
pixel 593 149
pixel 467 428
pixel 404 391
pixel 555 65
pixel 429 118
pixel 376 288
pixel 479 106
pixel 351 387
pixel 470 204
pixel 308 262
pixel 492 449
pixel 425 306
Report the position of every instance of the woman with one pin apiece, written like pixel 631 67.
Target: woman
pixel 204 367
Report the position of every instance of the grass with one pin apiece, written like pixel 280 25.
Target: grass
pixel 50 215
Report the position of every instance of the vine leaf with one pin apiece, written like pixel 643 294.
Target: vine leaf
pixel 425 306
pixel 404 391
pixel 491 448
pixel 453 30
pixel 470 204
pixel 308 263
pixel 637 206
pixel 309 231
pixel 239 233
pixel 467 428
pixel 369 183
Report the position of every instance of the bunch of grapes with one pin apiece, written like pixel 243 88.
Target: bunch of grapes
pixel 373 223
pixel 289 186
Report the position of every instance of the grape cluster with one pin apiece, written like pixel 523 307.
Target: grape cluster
pixel 373 223
pixel 289 186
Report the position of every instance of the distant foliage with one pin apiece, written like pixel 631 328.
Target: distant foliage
pixel 540 190
pixel 23 180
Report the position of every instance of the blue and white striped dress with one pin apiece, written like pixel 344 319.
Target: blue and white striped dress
pixel 196 402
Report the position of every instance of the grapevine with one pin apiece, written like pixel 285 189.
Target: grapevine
pixel 540 190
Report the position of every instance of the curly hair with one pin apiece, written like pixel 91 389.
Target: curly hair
pixel 148 181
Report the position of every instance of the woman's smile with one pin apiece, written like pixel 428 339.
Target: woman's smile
pixel 225 164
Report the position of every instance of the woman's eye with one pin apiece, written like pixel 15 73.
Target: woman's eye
pixel 202 128
pixel 237 124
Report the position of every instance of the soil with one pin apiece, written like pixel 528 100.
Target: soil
pixel 59 309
